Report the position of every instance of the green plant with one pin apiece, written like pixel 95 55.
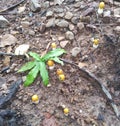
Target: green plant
pixel 38 66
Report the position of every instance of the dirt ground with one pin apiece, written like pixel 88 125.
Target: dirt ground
pixel 87 105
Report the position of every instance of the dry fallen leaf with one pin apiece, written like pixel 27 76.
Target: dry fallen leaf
pixel 81 64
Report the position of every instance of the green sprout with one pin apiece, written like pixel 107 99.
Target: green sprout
pixel 38 66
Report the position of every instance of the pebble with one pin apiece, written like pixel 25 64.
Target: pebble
pixel 117 29
pixel 46 4
pixel 7 40
pixel 75 20
pixel 3 22
pixel 59 10
pixel 25 24
pixel 2 81
pixel 58 2
pixel 71 27
pixel 34 5
pixel 75 51
pixel 62 23
pixel 42 28
pixel 49 14
pixel 68 15
pixel 69 35
pixel 80 26
pixel 61 15
pixel 31 32
pixel 50 23
pixel 64 43
pixel 117 12
pixel 106 16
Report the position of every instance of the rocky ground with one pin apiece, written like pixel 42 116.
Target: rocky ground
pixel 71 24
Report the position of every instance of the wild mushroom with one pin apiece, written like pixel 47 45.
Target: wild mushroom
pixel 101 7
pixel 35 99
pixel 53 45
pixel 61 77
pixel 66 111
pixel 51 64
pixel 95 43
pixel 59 71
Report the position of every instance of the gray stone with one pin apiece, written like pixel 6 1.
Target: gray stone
pixel 25 24
pixel 31 32
pixel 59 10
pixel 49 13
pixel 2 81
pixel 50 23
pixel 46 4
pixel 71 27
pixel 75 51
pixel 80 25
pixel 58 2
pixel 68 15
pixel 34 5
pixel 3 22
pixel 62 23
pixel 106 16
pixel 69 35
pixel 75 20
pixel 42 28
pixel 64 43
pixel 60 15
pixel 117 29
pixel 117 12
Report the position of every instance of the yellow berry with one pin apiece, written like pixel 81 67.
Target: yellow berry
pixel 101 5
pixel 62 77
pixel 35 98
pixel 66 111
pixel 59 71
pixel 96 41
pixel 53 45
pixel 50 63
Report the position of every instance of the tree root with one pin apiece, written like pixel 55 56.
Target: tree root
pixel 89 76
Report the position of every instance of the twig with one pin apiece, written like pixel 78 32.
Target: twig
pixel 13 6
pixel 95 80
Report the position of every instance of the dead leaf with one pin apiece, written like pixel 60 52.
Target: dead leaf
pixel 49 120
pixel 7 39
pixel 81 64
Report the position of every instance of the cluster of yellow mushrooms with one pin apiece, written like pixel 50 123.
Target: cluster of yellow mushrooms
pixel 61 76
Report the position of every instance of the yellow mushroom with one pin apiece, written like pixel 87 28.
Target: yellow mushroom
pixel 101 7
pixel 66 111
pixel 95 43
pixel 35 99
pixel 62 77
pixel 59 71
pixel 51 64
pixel 53 45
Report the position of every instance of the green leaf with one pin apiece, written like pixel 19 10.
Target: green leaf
pixel 56 59
pixel 44 73
pixel 35 55
pixel 53 53
pixel 27 66
pixel 31 75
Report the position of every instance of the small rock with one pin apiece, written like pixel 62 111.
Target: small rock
pixel 25 24
pixel 117 12
pixel 59 10
pixel 61 15
pixel 62 23
pixel 117 29
pixel 106 16
pixel 31 32
pixel 21 9
pixel 80 26
pixel 75 51
pixel 75 20
pixel 71 27
pixel 60 38
pixel 3 22
pixel 50 23
pixel 34 5
pixel 46 4
pixel 64 43
pixel 8 39
pixel 68 15
pixel 77 5
pixel 69 35
pixel 58 2
pixel 49 13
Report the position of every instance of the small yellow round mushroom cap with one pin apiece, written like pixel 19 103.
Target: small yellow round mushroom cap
pixel 50 63
pixel 59 71
pixel 62 77
pixel 66 111
pixel 53 45
pixel 101 5
pixel 96 41
pixel 35 98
